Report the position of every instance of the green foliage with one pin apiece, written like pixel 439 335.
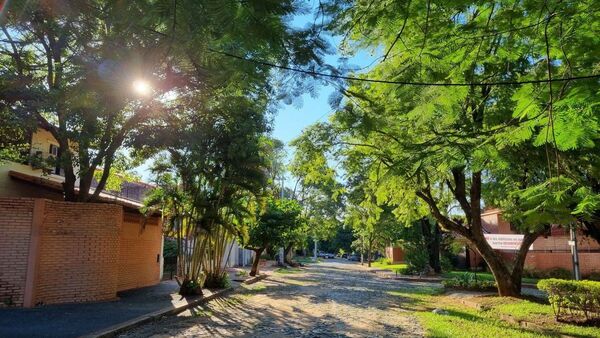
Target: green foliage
pixel 218 282
pixel 469 281
pixel 276 225
pixel 417 260
pixel 574 300
pixel 384 261
pixel 170 248
pixel 559 273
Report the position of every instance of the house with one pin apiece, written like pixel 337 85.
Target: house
pixel 548 252
pixel 53 251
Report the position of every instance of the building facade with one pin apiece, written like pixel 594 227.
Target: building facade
pixel 549 251
pixel 53 251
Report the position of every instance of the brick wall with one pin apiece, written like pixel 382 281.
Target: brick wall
pixel 15 231
pixel 140 246
pixel 78 253
pixel 62 252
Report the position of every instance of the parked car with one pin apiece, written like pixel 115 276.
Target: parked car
pixel 344 255
pixel 325 255
pixel 355 258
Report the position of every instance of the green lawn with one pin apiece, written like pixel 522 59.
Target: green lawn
pixel 483 276
pixel 391 267
pixel 463 321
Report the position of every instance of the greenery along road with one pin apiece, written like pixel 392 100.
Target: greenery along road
pixel 337 298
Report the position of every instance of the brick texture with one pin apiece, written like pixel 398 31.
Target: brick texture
pixel 78 252
pixel 15 229
pixel 547 252
pixel 140 245
pixel 86 251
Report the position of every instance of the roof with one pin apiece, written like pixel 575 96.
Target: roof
pixel 53 183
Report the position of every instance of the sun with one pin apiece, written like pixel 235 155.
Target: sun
pixel 142 87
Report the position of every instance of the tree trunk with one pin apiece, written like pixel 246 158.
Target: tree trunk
pixel 287 255
pixel 431 234
pixel 257 254
pixel 369 254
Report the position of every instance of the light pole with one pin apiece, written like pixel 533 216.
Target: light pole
pixel 574 252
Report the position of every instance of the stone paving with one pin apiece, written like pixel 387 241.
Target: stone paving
pixel 330 299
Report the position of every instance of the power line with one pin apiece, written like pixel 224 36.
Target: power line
pixel 407 83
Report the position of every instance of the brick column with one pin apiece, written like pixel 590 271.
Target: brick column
pixel 37 220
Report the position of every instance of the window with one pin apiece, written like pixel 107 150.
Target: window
pixel 53 150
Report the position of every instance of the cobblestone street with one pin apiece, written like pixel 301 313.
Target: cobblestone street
pixel 330 299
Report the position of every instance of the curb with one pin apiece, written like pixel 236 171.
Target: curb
pixel 112 331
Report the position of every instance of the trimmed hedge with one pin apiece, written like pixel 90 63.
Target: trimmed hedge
pixel 574 300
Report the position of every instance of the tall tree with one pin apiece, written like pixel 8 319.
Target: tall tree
pixel 95 73
pixel 470 141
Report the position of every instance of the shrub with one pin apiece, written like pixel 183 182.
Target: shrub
pixel 559 273
pixel 594 276
pixel 469 281
pixel 573 300
pixel 241 273
pixel 446 264
pixel 217 282
pixel 417 260
pixel 384 261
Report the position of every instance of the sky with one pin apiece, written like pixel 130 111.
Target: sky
pixel 291 120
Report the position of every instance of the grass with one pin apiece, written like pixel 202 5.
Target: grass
pixel 385 266
pixel 483 276
pixel 499 318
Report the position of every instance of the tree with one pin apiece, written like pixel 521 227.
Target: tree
pixel 278 221
pixel 478 140
pixel 69 67
pixel 210 177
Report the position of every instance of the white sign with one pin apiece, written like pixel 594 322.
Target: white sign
pixel 504 242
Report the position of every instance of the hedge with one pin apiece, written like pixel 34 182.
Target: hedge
pixel 573 299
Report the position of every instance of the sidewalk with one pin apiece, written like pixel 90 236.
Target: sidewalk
pixel 75 320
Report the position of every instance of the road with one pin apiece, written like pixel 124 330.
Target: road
pixel 335 298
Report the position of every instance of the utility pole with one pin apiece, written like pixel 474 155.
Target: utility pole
pixel 574 252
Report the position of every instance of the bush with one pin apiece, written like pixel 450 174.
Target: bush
pixel 559 273
pixel 217 281
pixel 573 300
pixel 594 276
pixel 446 264
pixel 417 260
pixel 469 281
pixel 384 261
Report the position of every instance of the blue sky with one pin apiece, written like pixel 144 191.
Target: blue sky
pixel 291 120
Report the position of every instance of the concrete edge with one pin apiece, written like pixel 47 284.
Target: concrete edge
pixel 112 331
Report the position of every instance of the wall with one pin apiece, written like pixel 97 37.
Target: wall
pixel 78 255
pixel 10 187
pixel 15 229
pixel 140 246
pixel 395 254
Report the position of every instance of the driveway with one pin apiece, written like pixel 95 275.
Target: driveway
pixel 335 298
